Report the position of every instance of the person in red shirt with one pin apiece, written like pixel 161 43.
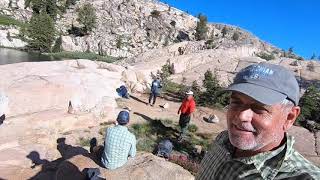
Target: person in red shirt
pixel 186 109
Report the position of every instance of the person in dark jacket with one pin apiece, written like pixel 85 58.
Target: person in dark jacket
pixel 155 90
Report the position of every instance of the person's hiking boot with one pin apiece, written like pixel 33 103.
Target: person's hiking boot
pixel 93 143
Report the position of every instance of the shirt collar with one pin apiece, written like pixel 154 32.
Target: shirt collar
pixel 267 163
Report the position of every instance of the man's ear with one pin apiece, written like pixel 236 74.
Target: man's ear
pixel 291 117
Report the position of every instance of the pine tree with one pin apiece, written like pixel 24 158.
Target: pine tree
pixel 87 17
pixel 196 90
pixel 235 36
pixel 201 29
pixel 224 31
pixel 41 31
pixel 310 105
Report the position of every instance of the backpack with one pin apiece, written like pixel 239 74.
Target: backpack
pixel 164 148
pixel 123 92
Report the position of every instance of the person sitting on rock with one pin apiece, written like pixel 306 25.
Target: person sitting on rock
pixel 186 109
pixel 155 90
pixel 263 106
pixel 119 144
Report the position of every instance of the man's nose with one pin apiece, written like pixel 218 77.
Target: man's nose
pixel 246 114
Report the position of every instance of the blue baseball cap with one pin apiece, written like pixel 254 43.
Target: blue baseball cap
pixel 267 83
pixel 123 117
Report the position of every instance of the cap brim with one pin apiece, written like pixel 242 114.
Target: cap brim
pixel 259 93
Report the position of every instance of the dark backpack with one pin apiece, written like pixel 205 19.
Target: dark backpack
pixel 164 148
pixel 123 92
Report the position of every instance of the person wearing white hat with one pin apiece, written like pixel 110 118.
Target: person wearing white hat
pixel 186 109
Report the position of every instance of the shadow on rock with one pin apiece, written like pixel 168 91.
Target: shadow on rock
pixel 49 168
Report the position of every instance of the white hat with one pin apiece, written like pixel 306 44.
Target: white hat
pixel 189 92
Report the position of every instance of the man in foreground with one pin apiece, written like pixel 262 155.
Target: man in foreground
pixel 119 144
pixel 186 109
pixel 263 106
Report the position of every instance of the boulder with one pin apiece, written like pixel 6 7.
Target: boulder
pixel 33 87
pixel 144 166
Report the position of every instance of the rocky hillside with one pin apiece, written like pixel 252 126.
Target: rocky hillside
pixel 127 28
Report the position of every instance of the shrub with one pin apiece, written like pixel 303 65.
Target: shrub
pixel 87 17
pixel 57 45
pixel 201 29
pixel 209 44
pixel 173 23
pixel 235 36
pixel 213 94
pixel 197 92
pixel 155 14
pixel 192 128
pixel 310 106
pixel 265 56
pixel 41 31
pixel 224 31
pixel 119 42
pixel 7 21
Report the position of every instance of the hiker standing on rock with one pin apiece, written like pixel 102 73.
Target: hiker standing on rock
pixel 155 90
pixel 263 107
pixel 186 109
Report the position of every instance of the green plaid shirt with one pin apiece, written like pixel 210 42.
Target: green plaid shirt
pixel 118 145
pixel 282 163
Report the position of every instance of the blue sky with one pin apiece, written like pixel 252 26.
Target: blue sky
pixel 283 23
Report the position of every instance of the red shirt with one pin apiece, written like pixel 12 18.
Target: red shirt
pixel 188 106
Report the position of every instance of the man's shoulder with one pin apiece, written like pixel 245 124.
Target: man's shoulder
pixel 299 165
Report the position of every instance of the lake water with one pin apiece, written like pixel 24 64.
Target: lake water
pixel 9 56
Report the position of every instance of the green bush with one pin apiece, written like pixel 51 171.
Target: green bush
pixel 210 45
pixel 235 36
pixel 201 29
pixel 213 94
pixel 57 45
pixel 119 43
pixel 155 14
pixel 41 31
pixel 310 106
pixel 87 17
pixel 7 21
pixel 192 128
pixel 224 31
pixel 266 56
pixel 196 90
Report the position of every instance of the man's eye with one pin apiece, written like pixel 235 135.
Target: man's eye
pixel 259 110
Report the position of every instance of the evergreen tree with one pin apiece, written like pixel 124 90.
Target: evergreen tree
pixel 87 17
pixel 290 50
pixel 201 29
pixel 235 36
pixel 196 90
pixel 51 8
pixel 224 31
pixel 310 105
pixel 41 31
pixel 212 94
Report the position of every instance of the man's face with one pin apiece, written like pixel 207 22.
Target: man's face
pixel 189 97
pixel 252 125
